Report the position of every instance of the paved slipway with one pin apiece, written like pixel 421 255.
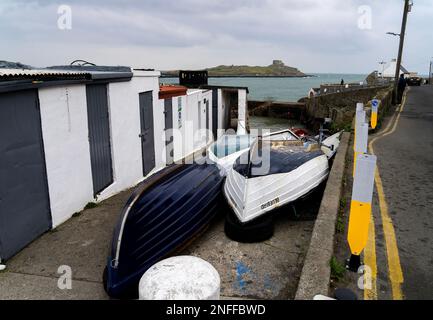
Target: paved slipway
pixel 405 164
pixel 266 270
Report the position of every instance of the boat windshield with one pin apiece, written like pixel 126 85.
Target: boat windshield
pixel 229 144
pixel 281 135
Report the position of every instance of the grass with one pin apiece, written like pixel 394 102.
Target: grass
pixel 77 214
pixel 334 128
pixel 340 219
pixel 90 205
pixel 340 225
pixel 337 269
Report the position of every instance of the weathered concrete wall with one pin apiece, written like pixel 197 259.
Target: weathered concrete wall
pixel 340 107
pixel 316 271
pixel 385 97
pixel 274 109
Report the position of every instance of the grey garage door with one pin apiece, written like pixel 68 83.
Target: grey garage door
pixel 24 201
pixel 146 135
pixel 99 136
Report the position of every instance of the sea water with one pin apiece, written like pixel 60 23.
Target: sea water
pixel 281 89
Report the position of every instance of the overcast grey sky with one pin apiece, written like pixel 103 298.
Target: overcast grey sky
pixel 312 35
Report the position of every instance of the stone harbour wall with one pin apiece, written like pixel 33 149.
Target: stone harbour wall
pixel 341 106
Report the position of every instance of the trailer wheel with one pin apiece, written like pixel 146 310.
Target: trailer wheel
pixel 258 230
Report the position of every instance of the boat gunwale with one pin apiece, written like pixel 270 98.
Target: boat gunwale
pixel 144 186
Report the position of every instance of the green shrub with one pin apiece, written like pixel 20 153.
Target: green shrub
pixel 337 269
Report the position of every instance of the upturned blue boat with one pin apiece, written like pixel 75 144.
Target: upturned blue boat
pixel 160 218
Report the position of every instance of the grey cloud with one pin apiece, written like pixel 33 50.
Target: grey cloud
pixel 322 30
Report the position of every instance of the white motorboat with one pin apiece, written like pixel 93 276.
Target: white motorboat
pixel 230 147
pixel 227 149
pixel 293 169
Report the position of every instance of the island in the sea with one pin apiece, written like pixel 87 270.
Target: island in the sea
pixel 276 69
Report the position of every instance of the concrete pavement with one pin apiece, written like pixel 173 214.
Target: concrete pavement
pixel 267 270
pixel 405 164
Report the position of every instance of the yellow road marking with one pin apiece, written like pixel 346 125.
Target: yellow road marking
pixel 370 249
pixel 370 261
pixel 394 266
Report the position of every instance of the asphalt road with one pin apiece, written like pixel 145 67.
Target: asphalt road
pixel 405 163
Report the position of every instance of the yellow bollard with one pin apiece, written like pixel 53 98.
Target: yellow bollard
pixel 360 143
pixel 374 111
pixel 360 207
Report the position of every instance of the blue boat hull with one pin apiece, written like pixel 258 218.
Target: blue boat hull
pixel 162 215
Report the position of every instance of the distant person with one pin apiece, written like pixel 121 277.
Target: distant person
pixel 342 82
pixel 400 87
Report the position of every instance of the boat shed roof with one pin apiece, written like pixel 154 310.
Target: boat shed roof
pixel 15 74
pixel 169 91
pixel 210 87
pixel 13 79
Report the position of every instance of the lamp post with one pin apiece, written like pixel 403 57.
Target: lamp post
pixel 407 7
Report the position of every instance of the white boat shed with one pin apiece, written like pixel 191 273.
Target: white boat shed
pixel 70 137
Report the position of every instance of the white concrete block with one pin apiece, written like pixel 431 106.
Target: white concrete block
pixel 180 278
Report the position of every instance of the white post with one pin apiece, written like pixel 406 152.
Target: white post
pixel 361 142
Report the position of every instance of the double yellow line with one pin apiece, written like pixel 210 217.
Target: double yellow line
pixel 395 272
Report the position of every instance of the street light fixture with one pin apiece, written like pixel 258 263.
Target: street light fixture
pixel 410 6
pixel 393 34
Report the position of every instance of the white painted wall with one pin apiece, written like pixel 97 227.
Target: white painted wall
pixel 67 153
pixel 224 103
pixel 186 139
pixel 66 141
pixel 192 114
pixel 180 107
pixel 242 111
pixel 124 110
pixel 220 121
pixel 159 133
